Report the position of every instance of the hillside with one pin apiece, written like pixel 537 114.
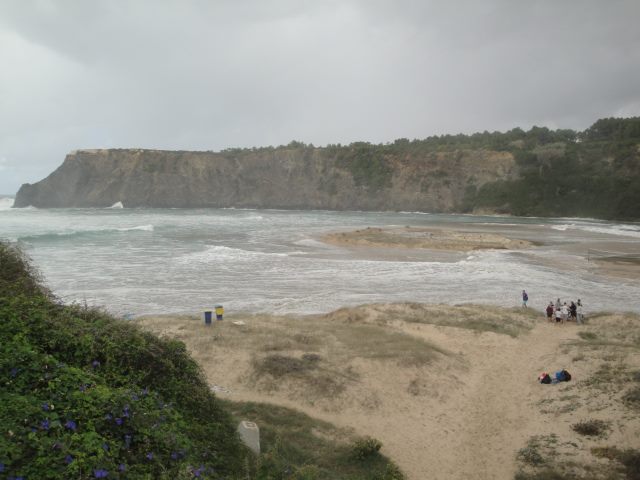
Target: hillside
pixel 541 172
pixel 85 395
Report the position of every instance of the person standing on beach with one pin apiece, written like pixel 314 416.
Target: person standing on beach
pixel 525 299
pixel 550 311
pixel 580 316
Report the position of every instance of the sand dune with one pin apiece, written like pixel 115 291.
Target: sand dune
pixel 450 391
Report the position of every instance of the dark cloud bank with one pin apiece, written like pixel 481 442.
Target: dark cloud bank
pixel 207 75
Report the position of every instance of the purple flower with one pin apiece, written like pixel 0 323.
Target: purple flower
pixel 45 406
pixel 122 467
pixel 119 421
pixel 13 372
pixel 127 441
pixel 134 397
pixel 68 459
pixel 149 456
pixel 1 467
pixel 83 387
pixel 45 424
pixel 199 471
pixel 174 456
pixel 71 425
pixel 100 473
pixel 95 364
pixel 145 391
pixel 126 411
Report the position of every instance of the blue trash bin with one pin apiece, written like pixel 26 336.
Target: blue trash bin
pixel 208 316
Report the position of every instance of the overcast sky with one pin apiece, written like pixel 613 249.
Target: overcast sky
pixel 208 75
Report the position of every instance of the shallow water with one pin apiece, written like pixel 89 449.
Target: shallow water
pixel 172 260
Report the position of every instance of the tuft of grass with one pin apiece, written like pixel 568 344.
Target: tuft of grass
pixel 530 455
pixel 307 370
pixel 280 366
pixel 587 335
pixel 591 428
pixel 309 448
pixel 632 397
pixel 364 448
pixel 629 459
pixel 511 322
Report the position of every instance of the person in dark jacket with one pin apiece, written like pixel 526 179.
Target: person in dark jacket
pixel 549 311
pixel 574 312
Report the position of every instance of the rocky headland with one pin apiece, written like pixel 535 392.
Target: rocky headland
pixel 540 172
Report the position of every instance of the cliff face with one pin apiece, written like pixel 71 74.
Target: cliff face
pixel 294 177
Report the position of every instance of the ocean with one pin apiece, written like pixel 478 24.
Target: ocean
pixel 159 261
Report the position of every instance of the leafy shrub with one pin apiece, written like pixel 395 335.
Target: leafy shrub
pixel 84 395
pixel 592 428
pixel 364 448
pixel 530 455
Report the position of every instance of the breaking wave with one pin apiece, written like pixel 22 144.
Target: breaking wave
pixel 625 230
pixel 6 203
pixel 219 253
pixel 72 233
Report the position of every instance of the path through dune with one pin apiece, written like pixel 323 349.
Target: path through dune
pixel 499 411
pixel 463 416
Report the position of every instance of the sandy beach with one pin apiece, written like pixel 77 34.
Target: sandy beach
pixel 426 238
pixel 451 391
pixel 440 243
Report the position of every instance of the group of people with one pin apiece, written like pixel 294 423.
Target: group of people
pixel 561 312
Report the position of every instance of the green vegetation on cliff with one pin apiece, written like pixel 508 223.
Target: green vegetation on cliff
pixel 539 172
pixel 562 172
pixel 84 395
pixel 594 173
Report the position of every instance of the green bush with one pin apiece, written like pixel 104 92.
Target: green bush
pixel 84 395
pixel 364 448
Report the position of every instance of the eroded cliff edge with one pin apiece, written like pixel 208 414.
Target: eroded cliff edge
pixel 539 172
pixel 287 177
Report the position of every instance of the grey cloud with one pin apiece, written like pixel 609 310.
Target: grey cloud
pixel 216 74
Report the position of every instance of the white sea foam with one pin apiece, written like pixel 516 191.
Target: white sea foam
pixel 117 205
pixel 144 228
pixel 616 229
pixel 220 253
pixel 70 233
pixel 6 203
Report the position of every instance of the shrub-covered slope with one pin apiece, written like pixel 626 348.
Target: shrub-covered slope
pixel 541 172
pixel 83 395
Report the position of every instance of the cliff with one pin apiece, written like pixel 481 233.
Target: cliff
pixel 538 172
pixel 286 177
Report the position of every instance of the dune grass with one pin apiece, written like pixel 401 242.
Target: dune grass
pixel 478 318
pixel 310 448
